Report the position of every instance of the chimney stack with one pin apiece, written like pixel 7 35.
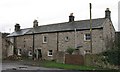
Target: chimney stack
pixel 35 23
pixel 17 27
pixel 107 13
pixel 71 17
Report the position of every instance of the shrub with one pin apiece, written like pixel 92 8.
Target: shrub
pixel 70 50
pixel 14 57
pixel 112 56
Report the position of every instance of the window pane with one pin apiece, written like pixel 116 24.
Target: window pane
pixel 50 50
pixel 50 53
pixel 66 38
pixel 44 39
pixel 87 36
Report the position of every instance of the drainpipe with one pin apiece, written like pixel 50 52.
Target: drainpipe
pixel 75 38
pixel 57 42
pixel 14 50
pixel 33 46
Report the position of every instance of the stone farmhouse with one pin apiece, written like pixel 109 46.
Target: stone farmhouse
pixel 47 40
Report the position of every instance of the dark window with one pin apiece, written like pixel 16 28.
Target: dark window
pixel 87 37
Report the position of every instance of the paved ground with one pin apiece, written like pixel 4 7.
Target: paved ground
pixel 18 66
pixel 8 66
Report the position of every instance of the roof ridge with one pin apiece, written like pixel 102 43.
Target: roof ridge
pixel 26 28
pixel 69 22
pixel 92 19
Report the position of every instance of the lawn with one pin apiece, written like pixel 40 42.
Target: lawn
pixel 53 64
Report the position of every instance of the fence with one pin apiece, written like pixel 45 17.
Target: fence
pixel 74 59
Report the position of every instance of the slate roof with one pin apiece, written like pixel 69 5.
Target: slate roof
pixel 4 35
pixel 66 26
pixel 21 32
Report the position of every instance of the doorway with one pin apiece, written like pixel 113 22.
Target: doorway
pixel 39 54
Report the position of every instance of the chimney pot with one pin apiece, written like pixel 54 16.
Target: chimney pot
pixel 17 27
pixel 71 17
pixel 35 23
pixel 107 13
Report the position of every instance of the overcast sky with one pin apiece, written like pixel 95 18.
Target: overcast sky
pixel 52 11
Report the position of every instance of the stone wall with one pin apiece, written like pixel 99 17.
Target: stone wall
pixel 0 45
pixel 11 47
pixel 97 40
pixel 62 43
pixel 108 35
pixel 60 57
pixel 25 43
pixel 51 44
pixel 4 44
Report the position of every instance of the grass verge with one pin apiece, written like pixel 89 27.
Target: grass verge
pixel 53 64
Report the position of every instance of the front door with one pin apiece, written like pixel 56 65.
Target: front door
pixel 39 54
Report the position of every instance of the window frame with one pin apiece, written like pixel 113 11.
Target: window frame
pixel 85 37
pixel 29 53
pixel 19 52
pixel 50 52
pixel 86 51
pixel 44 37
pixel 66 38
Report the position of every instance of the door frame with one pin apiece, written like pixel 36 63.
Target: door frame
pixel 37 52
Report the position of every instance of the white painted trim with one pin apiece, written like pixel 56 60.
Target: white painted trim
pixel 85 37
pixel 49 52
pixel 66 38
pixel 43 39
pixel 29 53
pixel 19 52
pixel 37 51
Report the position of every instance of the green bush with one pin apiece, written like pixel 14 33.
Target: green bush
pixel 70 50
pixel 112 56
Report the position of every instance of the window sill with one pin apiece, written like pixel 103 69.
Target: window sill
pixel 44 42
pixel 87 40
pixel 19 54
pixel 50 55
pixel 66 40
